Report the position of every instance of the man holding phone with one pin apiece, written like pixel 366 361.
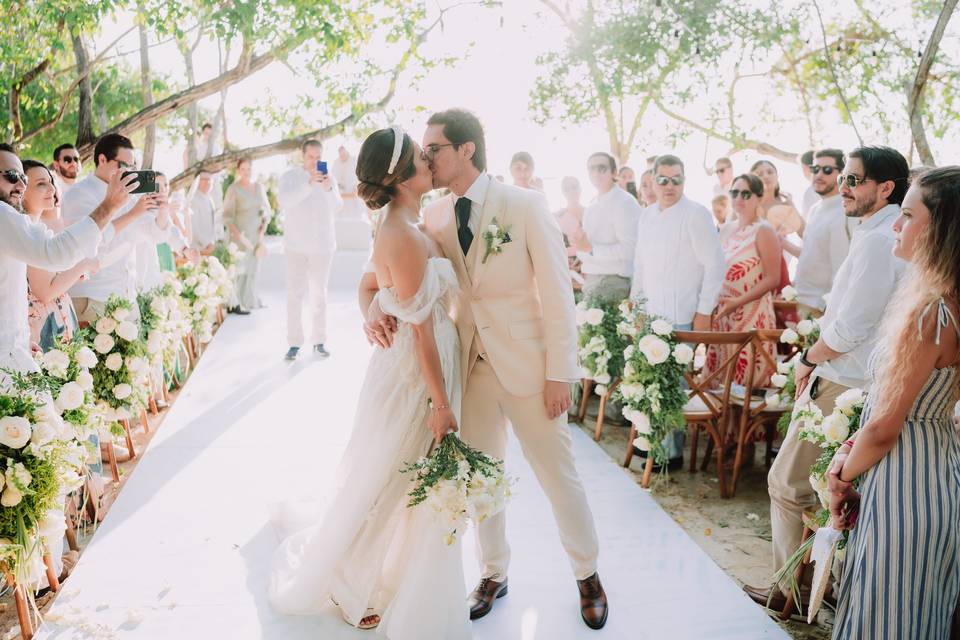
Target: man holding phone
pixel 133 223
pixel 309 201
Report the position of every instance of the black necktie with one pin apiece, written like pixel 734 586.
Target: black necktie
pixel 463 224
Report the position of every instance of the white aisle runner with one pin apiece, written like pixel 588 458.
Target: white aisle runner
pixel 185 550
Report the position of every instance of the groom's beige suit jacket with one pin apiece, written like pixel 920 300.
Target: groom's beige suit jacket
pixel 516 309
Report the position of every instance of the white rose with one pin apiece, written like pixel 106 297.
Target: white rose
pixel 642 443
pixel 603 378
pixel 128 331
pixel 121 313
pixel 53 525
pixel 683 354
pixel 784 367
pixel 805 327
pixel 628 352
pixel 847 400
pixel 594 316
pixel 103 343
pixel 778 380
pixel 70 396
pixel 135 364
pixel 789 336
pixel 56 362
pixel 661 327
pixel 106 324
pixel 11 497
pixel 43 432
pixel 86 358
pixel 655 350
pixel 642 422
pixel 492 229
pixel 122 391
pixel 789 293
pixel 191 281
pixel 85 380
pixel 835 427
pixel 114 361
pixel 154 342
pixel 18 476
pixel 14 431
pixel 772 400
pixel 600 390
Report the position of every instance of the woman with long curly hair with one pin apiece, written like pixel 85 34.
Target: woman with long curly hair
pixel 901 576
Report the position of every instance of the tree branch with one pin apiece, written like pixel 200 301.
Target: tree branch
pixel 17 89
pixel 833 72
pixel 915 95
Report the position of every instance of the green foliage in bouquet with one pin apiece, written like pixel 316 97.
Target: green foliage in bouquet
pixel 804 336
pixel 600 340
pixel 446 463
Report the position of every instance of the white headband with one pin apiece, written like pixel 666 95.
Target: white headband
pixel 397 148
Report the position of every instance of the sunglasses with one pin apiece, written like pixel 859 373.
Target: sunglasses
pixel 745 195
pixel 599 168
pixel 70 159
pixel 13 176
pixel 815 169
pixel 676 180
pixel 850 180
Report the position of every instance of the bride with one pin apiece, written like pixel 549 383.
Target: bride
pixel 381 563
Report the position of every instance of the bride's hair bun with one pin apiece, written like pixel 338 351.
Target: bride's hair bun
pixel 376 187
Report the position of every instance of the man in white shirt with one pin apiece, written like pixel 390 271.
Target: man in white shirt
pixel 827 237
pixel 723 169
pixel 872 188
pixel 204 230
pixel 810 196
pixel 344 172
pixel 679 265
pixel 66 167
pixel 309 204
pixel 610 224
pixel 135 222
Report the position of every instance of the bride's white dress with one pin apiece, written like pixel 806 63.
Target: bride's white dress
pixel 367 550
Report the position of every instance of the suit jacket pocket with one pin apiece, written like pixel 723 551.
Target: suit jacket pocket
pixel 527 330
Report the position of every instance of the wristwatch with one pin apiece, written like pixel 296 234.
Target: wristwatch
pixel 803 359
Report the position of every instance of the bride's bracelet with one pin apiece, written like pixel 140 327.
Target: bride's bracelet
pixel 438 407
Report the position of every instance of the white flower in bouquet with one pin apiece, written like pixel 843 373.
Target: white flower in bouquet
pixel 85 380
pixel 71 395
pixel 114 362
pixel 849 400
pixel 17 475
pixel 625 308
pixel 772 400
pixel 52 526
pixel 683 354
pixel 627 329
pixel 56 363
pixel 603 378
pixel 103 343
pixel 106 325
pixel 14 431
pixel 158 306
pixel 122 391
pixel 600 390
pixel 191 281
pixel 628 352
pixel 480 506
pixel 128 331
pixel 594 317
pixel 806 327
pixel 155 341
pixel 11 496
pixel 789 336
pixel 785 367
pixel 632 392
pixel 641 442
pixel 809 418
pixel 835 427
pixel 789 293
pixel 86 358
pixel 654 349
pixel 121 313
pixel 135 365
pixel 661 327
pixel 641 421
pixel 778 380
pixel 820 485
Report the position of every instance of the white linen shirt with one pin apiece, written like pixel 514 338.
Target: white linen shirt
pixel 24 242
pixel 861 290
pixel 808 201
pixel 610 223
pixel 308 213
pixel 679 265
pixel 826 243
pixel 203 221
pixel 117 254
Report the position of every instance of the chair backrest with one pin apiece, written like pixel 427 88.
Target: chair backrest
pixel 723 376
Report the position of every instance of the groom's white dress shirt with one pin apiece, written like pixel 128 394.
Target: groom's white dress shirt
pixel 24 242
pixel 477 193
pixel 610 223
pixel 826 243
pixel 679 265
pixel 861 290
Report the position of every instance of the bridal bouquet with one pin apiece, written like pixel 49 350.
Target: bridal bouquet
pixel 601 342
pixel 457 482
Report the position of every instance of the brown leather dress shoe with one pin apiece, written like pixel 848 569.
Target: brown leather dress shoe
pixel 775 600
pixel 481 600
pixel 593 602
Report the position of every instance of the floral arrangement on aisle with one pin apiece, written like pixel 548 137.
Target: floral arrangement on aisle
pixel 68 379
pixel 601 342
pixel 162 322
pixel 221 278
pixel 458 483
pixel 229 254
pixel 200 293
pixel 652 387
pixel 121 373
pixel 806 333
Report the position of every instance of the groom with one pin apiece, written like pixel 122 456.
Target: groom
pixel 515 316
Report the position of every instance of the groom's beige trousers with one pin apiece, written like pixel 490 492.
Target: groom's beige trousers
pixel 548 449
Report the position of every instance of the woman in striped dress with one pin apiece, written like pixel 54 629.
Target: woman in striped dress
pixel 901 576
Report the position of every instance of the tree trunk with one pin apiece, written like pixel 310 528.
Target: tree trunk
pixel 915 94
pixel 85 135
pixel 150 139
pixel 15 92
pixel 192 113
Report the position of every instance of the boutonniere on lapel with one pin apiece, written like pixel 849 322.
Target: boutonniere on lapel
pixel 495 236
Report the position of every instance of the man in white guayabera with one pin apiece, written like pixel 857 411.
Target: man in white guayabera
pixel 309 202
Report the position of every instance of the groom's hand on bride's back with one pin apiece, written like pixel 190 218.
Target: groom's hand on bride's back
pixel 556 398
pixel 379 327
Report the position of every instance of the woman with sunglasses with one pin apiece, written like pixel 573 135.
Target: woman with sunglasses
pixel 778 209
pixel 753 255
pixel 50 310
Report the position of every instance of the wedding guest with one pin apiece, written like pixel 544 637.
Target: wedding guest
pixel 752 253
pixel 610 225
pixel 809 197
pixel 722 209
pixel 627 180
pixel 723 169
pixel 570 218
pixel 309 202
pixel 344 172
pixel 521 171
pixel 66 167
pixel 205 144
pixel 900 573
pixel 49 308
pixel 647 195
pixel 246 212
pixel 678 265
pixel 136 221
pixel 777 208
pixel 826 240
pixel 872 187
pixel 204 230
pixel 155 255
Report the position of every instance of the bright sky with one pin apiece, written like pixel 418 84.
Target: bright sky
pixel 494 81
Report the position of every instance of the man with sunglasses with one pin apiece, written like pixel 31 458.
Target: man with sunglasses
pixel 723 169
pixel 810 197
pixel 679 265
pixel 66 167
pixel 826 240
